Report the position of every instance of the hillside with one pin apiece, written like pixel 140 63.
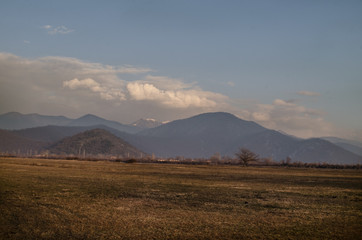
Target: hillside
pixel 49 133
pixel 279 146
pixel 322 151
pixel 94 142
pixel 14 144
pixel 53 134
pixel 352 146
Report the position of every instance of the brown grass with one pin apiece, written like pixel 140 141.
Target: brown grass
pixel 63 199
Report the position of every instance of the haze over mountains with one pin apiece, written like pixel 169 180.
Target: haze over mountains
pixel 200 136
pixel 14 120
pixel 352 146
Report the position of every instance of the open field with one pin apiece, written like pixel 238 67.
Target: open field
pixel 63 199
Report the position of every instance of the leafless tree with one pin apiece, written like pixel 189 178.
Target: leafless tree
pixel 246 156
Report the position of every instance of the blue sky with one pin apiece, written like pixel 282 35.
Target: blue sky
pixel 294 66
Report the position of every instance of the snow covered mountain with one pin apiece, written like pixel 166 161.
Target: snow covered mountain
pixel 146 123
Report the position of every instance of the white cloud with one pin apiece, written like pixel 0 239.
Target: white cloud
pixel 308 93
pixel 85 83
pixel 291 118
pixel 180 98
pixel 280 102
pixel 57 30
pixel 173 93
pixel 88 83
pixel 168 83
pixel 166 92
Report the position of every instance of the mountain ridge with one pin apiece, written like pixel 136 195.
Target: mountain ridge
pixel 91 120
pixel 203 135
pixel 15 120
pixel 12 143
pixel 18 121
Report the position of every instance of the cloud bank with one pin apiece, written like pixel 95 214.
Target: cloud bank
pixel 291 118
pixel 72 87
pixel 56 85
pixel 174 98
pixel 90 84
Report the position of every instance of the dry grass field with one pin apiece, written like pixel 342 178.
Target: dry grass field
pixel 63 199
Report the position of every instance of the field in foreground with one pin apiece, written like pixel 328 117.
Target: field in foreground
pixel 62 199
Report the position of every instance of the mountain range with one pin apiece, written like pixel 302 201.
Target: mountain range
pixel 16 121
pixel 200 136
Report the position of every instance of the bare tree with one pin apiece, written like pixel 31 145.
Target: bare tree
pixel 246 156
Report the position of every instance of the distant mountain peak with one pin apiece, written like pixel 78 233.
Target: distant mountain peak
pixel 222 118
pixel 206 124
pixel 90 116
pixel 146 123
pixel 90 120
pixel 217 114
pixel 150 119
pixel 12 113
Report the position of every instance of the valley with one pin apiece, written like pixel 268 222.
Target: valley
pixel 64 199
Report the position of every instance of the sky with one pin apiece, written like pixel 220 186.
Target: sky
pixel 293 66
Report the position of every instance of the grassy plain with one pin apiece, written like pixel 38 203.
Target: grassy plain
pixel 63 199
